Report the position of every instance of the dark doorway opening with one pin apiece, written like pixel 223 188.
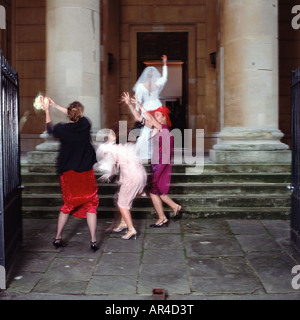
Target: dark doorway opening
pixel 150 47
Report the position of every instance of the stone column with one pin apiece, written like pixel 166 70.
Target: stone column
pixel 73 65
pixel 250 132
pixel 73 54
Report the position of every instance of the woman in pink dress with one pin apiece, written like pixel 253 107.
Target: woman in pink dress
pixel 114 157
pixel 162 156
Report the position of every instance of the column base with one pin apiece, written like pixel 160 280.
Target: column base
pixel 231 157
pixel 46 152
pixel 41 157
pixel 250 145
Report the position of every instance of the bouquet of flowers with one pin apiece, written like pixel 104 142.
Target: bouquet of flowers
pixel 39 101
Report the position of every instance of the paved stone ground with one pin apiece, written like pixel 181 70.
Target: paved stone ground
pixel 201 259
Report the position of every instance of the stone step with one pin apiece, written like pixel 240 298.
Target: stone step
pixel 41 200
pixel 188 212
pixel 198 169
pixel 236 191
pixel 186 178
pixel 179 188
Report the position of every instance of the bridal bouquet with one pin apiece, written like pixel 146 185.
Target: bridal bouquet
pixel 39 101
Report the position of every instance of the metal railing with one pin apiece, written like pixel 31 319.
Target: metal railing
pixel 295 187
pixel 10 195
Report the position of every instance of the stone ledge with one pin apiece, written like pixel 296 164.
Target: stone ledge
pixel 231 157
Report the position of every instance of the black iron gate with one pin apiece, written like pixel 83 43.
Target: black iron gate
pixel 295 188
pixel 10 195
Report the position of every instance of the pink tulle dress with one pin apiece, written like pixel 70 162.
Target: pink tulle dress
pixel 122 158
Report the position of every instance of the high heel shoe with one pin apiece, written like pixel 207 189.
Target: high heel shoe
pixel 94 246
pixel 125 237
pixel 164 223
pixel 177 214
pixel 58 243
pixel 119 228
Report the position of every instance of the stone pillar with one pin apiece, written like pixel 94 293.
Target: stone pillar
pixel 73 65
pixel 250 37
pixel 73 54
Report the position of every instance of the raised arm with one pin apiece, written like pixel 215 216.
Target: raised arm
pixel 164 59
pixel 163 80
pixel 46 105
pixel 126 99
pixel 150 121
pixel 62 109
pixel 46 102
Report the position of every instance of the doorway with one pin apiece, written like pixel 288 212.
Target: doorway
pixel 150 47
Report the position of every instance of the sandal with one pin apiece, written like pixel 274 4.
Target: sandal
pixel 164 223
pixel 58 243
pixel 94 246
pixel 125 237
pixel 122 226
pixel 177 213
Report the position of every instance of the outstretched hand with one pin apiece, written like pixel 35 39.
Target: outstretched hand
pixel 134 100
pixel 164 58
pixel 125 97
pixel 51 101
pixel 45 102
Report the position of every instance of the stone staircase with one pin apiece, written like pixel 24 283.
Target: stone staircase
pixel 225 191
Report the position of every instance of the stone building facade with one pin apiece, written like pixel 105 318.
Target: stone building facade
pixel 230 64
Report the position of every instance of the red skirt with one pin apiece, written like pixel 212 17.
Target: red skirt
pixel 80 193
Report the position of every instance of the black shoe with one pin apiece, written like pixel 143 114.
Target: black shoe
pixel 177 214
pixel 164 223
pixel 94 246
pixel 58 243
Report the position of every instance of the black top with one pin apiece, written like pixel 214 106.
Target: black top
pixel 76 150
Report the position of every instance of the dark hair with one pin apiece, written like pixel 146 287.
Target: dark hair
pixel 75 111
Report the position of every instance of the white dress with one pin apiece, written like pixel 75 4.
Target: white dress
pixel 149 99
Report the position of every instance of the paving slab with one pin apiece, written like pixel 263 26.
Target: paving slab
pixel 113 285
pixel 118 264
pixel 167 241
pixel 205 227
pixel 54 286
pixel 246 227
pixel 191 259
pixel 164 256
pixel 223 275
pixel 261 242
pixel 172 278
pixel 212 246
pixel 73 269
pixel 273 270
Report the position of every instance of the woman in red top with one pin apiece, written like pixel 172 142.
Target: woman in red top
pixel 75 167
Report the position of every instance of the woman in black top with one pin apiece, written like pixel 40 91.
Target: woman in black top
pixel 75 167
